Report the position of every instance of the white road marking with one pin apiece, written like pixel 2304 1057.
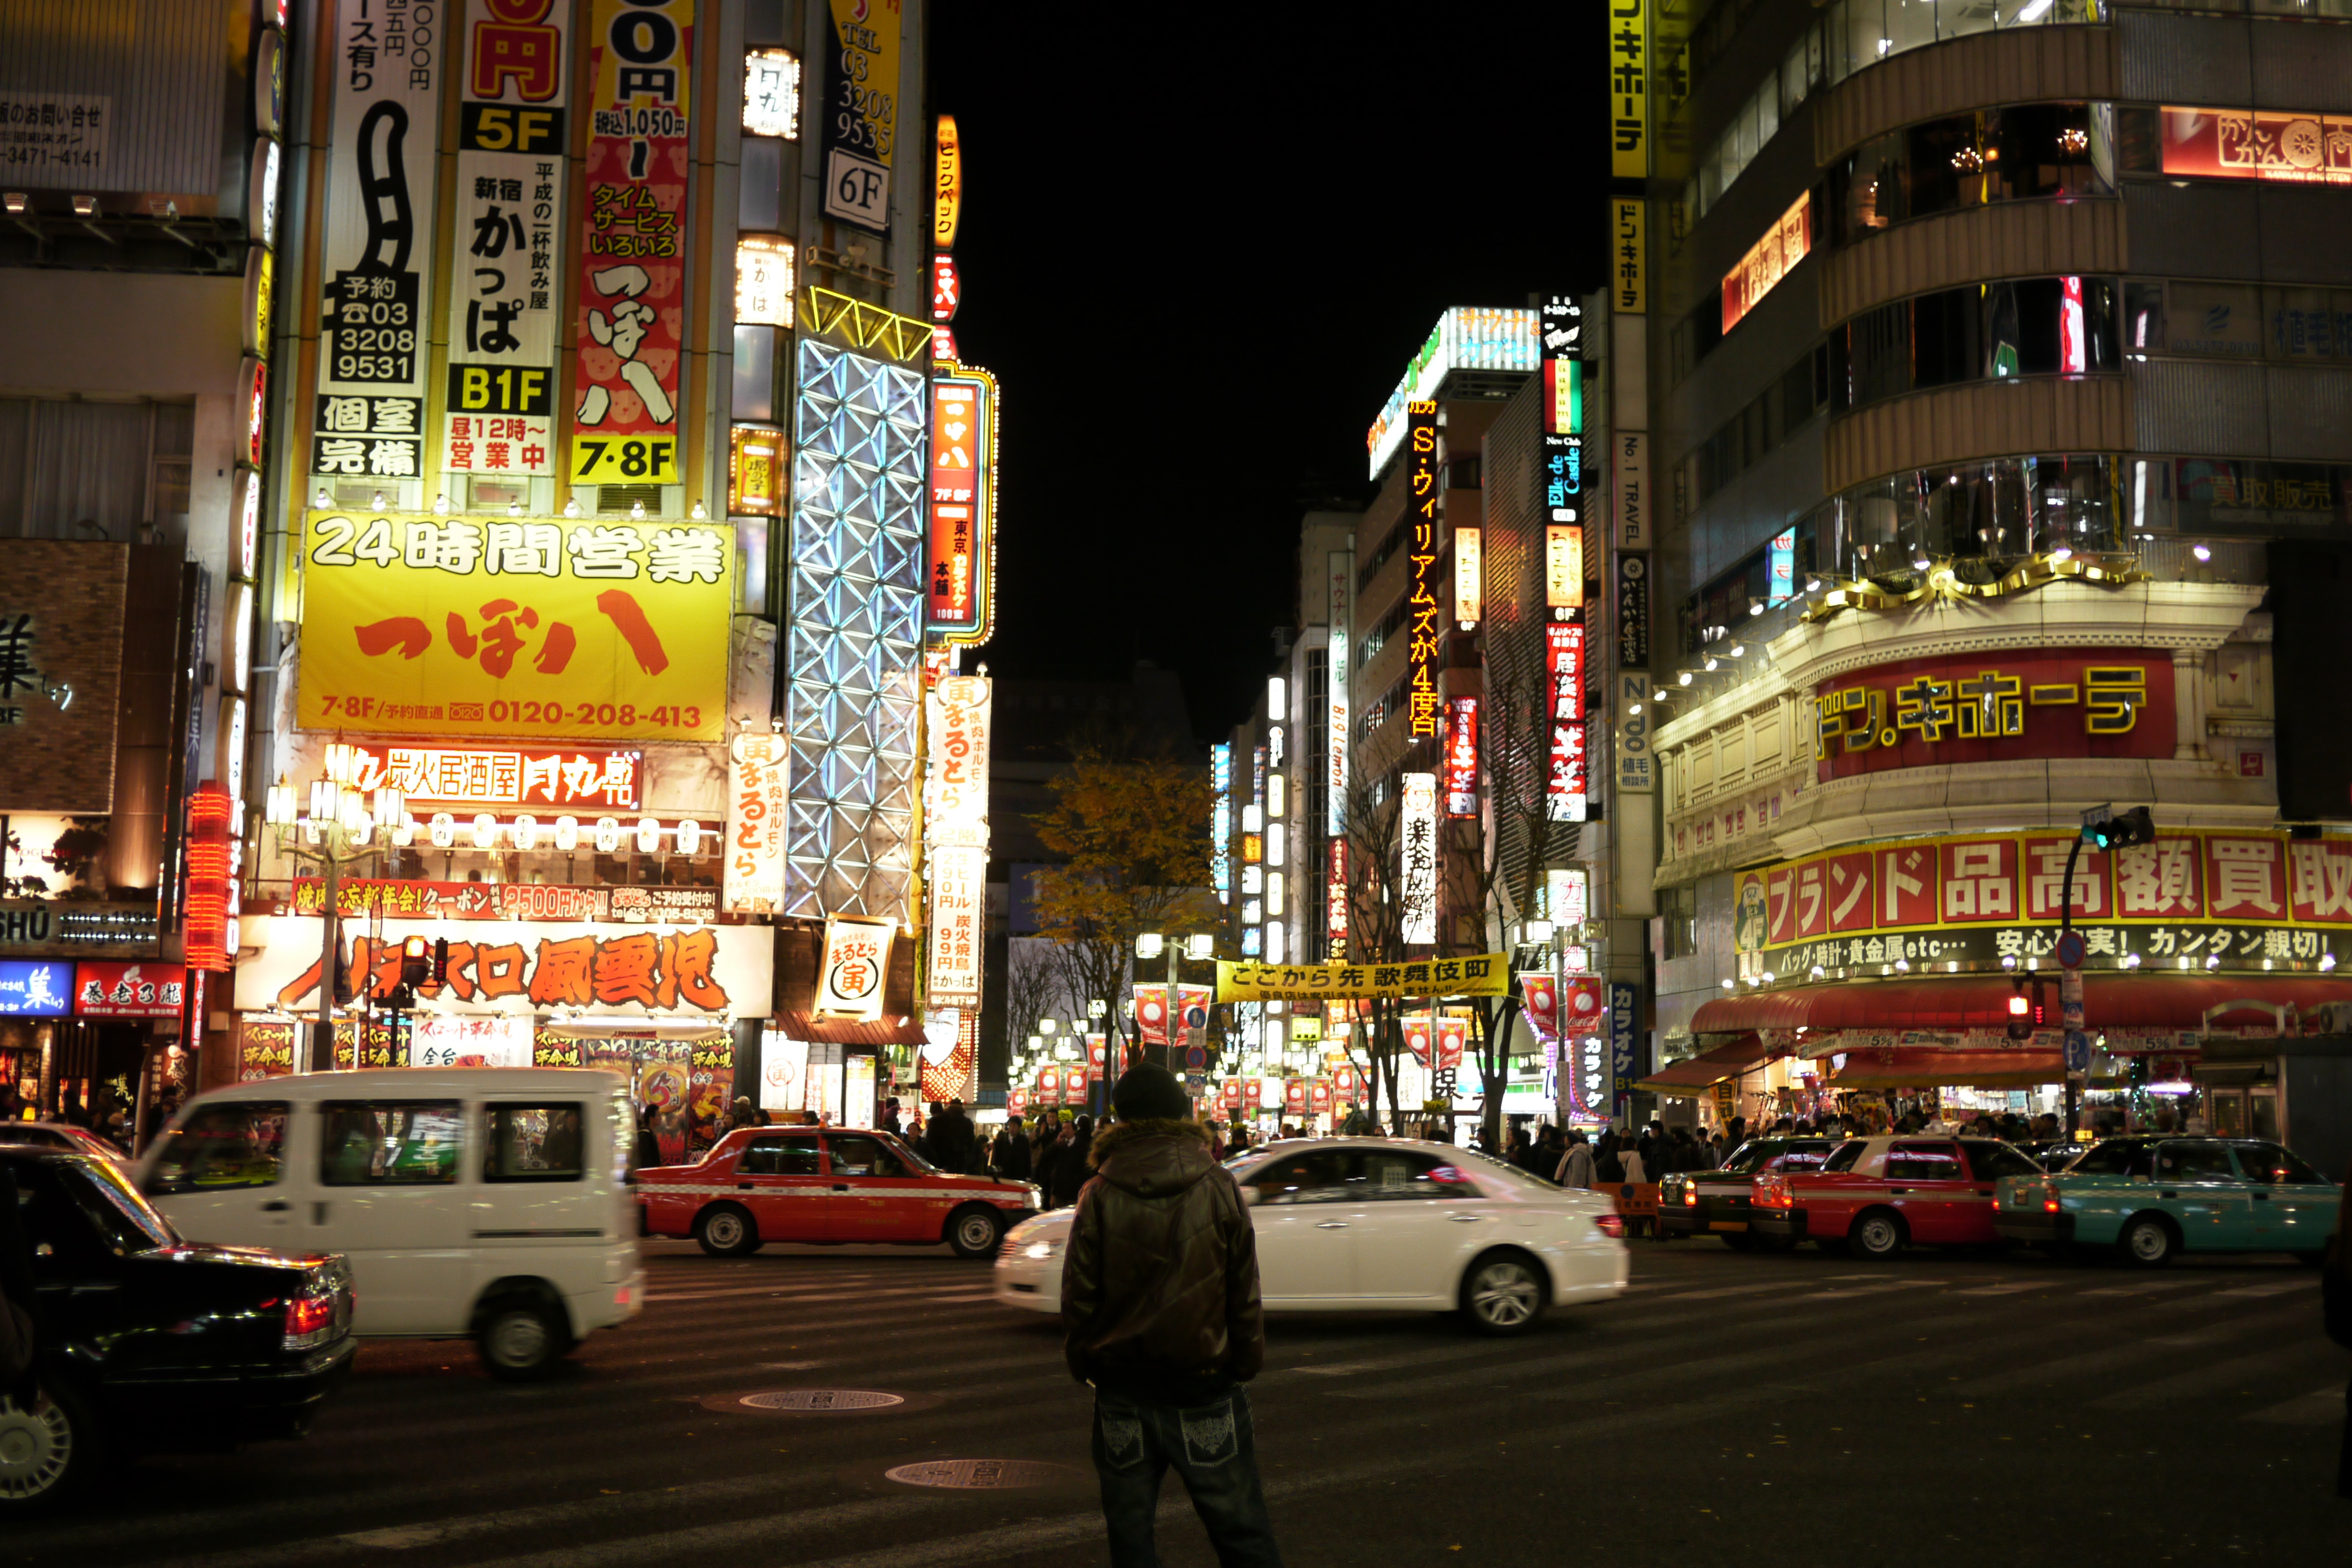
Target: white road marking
pixel 2278 1288
pixel 2320 1408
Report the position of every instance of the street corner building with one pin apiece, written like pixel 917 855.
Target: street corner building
pixel 491 518
pixel 1969 380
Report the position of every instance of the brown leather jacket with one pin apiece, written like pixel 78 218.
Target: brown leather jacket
pixel 1159 1294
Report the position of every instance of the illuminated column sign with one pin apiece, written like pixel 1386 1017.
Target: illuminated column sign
pixel 1421 705
pixel 956 828
pixel 505 296
pixel 1564 673
pixel 1221 820
pixel 1462 756
pixel 963 505
pixel 1417 837
pixel 1336 901
pixel 855 652
pixel 1469 578
pixel 1343 573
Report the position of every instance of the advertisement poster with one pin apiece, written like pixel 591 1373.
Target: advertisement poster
pixel 957 885
pixel 756 769
pixel 487 625
pixel 498 417
pixel 2258 145
pixel 632 264
pixel 860 114
pixel 377 255
pixel 142 990
pixel 854 968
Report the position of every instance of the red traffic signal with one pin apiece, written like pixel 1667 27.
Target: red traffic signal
pixel 2019 1006
pixel 2023 1013
pixel 415 961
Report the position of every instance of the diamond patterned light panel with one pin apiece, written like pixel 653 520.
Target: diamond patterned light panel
pixel 855 684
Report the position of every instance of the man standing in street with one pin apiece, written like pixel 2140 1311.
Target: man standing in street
pixel 1162 1318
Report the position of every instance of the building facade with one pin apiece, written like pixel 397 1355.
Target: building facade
pixel 1984 365
pixel 542 426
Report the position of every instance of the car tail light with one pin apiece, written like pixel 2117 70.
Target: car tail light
pixel 309 1321
pixel 2050 1206
pixel 1609 1223
pixel 1772 1192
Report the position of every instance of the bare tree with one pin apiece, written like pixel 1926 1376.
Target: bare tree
pixel 1370 828
pixel 1033 987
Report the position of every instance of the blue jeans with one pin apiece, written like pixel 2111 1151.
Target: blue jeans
pixel 1211 1447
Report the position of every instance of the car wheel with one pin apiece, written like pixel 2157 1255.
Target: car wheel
pixel 45 1452
pixel 973 1230
pixel 521 1340
pixel 1503 1294
pixel 2147 1241
pixel 724 1230
pixel 1876 1235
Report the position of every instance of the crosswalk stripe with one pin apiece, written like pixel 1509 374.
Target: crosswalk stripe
pixel 2214 1376
pixel 2320 1408
pixel 2278 1288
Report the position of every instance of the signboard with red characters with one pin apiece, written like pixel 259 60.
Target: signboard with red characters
pixel 1461 756
pixel 1995 707
pixel 2251 899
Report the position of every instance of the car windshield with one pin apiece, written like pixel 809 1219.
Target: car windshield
pixel 1750 1156
pixel 1847 1153
pixel 907 1153
pixel 2112 1157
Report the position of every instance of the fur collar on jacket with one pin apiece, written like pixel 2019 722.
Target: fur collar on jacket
pixel 1118 1134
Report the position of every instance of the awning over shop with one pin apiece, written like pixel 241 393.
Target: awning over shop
pixel 882 1031
pixel 1707 1068
pixel 1939 1068
pixel 1949 1004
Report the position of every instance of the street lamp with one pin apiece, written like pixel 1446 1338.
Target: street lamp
pixel 338 832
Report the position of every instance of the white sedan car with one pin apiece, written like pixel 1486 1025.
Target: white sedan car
pixel 1388 1225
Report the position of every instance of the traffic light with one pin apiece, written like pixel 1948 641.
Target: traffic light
pixel 440 961
pixel 342 984
pixel 2121 831
pixel 2021 1011
pixel 416 962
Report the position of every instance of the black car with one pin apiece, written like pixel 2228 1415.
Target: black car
pixel 1714 1203
pixel 143 1337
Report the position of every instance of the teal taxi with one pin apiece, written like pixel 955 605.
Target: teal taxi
pixel 2150 1198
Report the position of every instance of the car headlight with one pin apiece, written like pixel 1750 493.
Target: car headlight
pixel 1042 1249
pixel 1036 1195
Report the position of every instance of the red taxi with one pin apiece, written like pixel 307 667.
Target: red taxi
pixel 1874 1196
pixel 832 1184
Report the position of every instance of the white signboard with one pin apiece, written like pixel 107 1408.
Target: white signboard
pixel 377 262
pixel 959 721
pixel 1343 573
pixel 958 890
pixel 439 1040
pixel 856 962
pixel 504 289
pixel 1417 832
pixel 783 1068
pixel 756 798
pixel 672 973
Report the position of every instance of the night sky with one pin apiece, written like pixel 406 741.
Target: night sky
pixel 1199 256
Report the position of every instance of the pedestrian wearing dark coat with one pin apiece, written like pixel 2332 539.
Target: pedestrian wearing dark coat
pixel 1070 1169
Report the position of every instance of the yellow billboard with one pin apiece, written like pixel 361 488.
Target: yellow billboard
pixel 424 624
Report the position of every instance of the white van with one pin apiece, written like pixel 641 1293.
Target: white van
pixel 489 1203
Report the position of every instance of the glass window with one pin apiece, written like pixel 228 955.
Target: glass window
pixel 1991 1161
pixel 1844 1157
pixel 2305 323
pixel 1767 113
pixel 1312 1176
pixel 1751 1156
pixel 238 1143
pixel 2112 1157
pixel 2223 320
pixel 1401 1174
pixel 1924 1162
pixel 1794 81
pixel 779 1157
pixel 856 1154
pixel 535 1143
pixel 2268 1164
pixel 390 1143
pixel 2193 1162
pixel 1805 1156
pixel 1910 25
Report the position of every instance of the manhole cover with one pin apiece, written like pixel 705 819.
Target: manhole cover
pixel 983 1475
pixel 823 1399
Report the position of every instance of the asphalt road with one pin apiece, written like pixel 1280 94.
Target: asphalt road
pixel 1732 1409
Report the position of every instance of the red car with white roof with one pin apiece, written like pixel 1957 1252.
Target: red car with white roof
pixel 1874 1196
pixel 826 1185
